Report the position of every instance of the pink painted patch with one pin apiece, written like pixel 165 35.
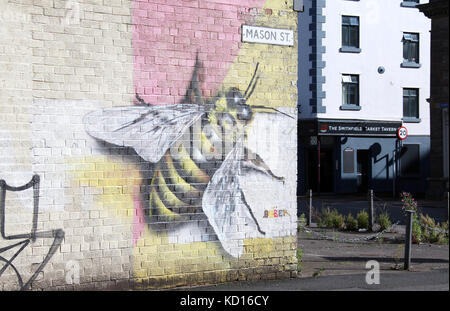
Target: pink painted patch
pixel 169 34
pixel 138 216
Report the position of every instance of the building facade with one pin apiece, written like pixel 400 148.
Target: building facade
pixel 127 192
pixel 437 11
pixel 363 74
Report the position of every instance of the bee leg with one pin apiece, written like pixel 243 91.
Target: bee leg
pixel 279 178
pixel 261 167
pixel 255 162
pixel 251 213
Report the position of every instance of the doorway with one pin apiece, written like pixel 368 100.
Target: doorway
pixel 363 170
pixel 326 170
pixel 325 182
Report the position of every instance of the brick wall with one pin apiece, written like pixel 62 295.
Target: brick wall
pixel 101 214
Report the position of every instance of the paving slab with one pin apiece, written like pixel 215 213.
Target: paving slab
pixel 324 257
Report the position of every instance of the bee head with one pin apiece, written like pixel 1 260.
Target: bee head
pixel 238 103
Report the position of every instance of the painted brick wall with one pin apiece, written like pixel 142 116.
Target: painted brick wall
pixel 115 202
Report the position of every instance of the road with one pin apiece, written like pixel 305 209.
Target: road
pixel 335 266
pixel 435 280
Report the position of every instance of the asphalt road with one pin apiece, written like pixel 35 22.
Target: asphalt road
pixel 436 280
pixel 335 266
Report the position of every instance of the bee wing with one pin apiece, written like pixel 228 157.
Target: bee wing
pixel 224 204
pixel 150 130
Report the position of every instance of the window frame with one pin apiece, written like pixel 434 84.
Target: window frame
pixel 350 31
pixel 409 3
pixel 412 46
pixel 346 95
pixel 407 117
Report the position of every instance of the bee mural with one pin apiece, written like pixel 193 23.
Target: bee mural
pixel 199 152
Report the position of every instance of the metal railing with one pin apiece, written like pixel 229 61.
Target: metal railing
pixel 375 206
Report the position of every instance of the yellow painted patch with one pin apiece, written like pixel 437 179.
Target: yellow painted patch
pixel 112 183
pixel 277 85
pixel 259 245
pixel 154 257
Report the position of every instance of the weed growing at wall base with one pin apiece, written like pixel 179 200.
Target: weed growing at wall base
pixel 433 232
pixel 331 219
pixel 384 221
pixel 299 259
pixel 351 224
pixel 363 220
pixel 301 223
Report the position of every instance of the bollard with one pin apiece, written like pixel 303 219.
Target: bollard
pixel 371 220
pixel 408 238
pixel 310 208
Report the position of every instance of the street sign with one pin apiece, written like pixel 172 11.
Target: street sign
pixel 402 133
pixel 267 35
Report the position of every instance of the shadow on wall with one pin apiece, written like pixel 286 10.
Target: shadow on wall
pixel 372 165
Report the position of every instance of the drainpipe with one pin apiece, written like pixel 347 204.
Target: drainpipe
pixel 318 164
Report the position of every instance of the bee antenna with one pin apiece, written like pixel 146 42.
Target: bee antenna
pixel 253 88
pixel 251 81
pixel 264 107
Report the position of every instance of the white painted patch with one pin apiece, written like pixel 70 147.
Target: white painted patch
pixel 57 133
pixel 274 138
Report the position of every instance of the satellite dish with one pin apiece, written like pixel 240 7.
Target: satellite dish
pixel 381 70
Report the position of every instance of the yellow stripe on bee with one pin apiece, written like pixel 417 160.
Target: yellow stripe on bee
pixel 151 196
pixel 180 184
pixel 190 167
pixel 169 196
pixel 158 205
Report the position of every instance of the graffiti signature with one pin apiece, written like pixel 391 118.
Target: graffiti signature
pixel 26 238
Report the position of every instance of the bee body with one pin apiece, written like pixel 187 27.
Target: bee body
pixel 199 156
pixel 183 173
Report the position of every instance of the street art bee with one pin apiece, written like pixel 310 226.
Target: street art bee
pixel 199 155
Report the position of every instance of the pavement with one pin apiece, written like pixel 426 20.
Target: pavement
pixel 435 280
pixel 323 257
pixel 341 265
pixel 336 266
